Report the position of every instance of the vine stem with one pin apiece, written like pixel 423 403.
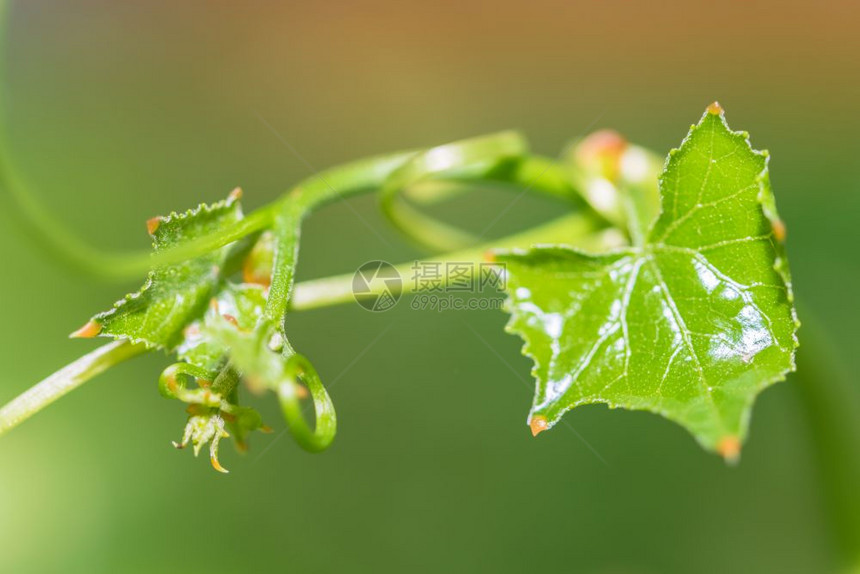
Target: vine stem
pixel 575 230
pixel 65 380
pixel 828 407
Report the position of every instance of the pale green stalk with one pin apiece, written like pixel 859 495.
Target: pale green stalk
pixel 65 380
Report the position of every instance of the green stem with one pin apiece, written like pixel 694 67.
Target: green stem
pixel 496 158
pixel 576 229
pixel 500 158
pixel 66 379
pixel 286 253
pixel 467 159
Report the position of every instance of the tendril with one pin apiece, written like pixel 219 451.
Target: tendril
pixel 299 370
pixel 499 159
pixel 172 383
pixel 466 159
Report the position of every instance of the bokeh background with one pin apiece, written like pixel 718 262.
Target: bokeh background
pixel 123 110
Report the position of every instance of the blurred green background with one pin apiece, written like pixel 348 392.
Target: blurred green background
pixel 120 111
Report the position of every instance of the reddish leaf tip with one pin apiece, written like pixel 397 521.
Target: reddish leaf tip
pixel 729 448
pixel 88 331
pixel 715 109
pixel 236 194
pixel 538 425
pixel 152 224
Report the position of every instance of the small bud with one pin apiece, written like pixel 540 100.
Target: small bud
pixel 600 154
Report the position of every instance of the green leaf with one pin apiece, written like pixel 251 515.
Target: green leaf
pixel 692 324
pixel 173 295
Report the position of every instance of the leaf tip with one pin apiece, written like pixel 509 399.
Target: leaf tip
pixel 88 331
pixel 715 109
pixel 729 448
pixel 152 224
pixel 235 195
pixel 538 425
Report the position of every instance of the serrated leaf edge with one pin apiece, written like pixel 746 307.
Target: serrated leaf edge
pixel 170 218
pixel 767 204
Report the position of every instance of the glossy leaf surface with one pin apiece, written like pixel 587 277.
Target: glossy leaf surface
pixel 692 324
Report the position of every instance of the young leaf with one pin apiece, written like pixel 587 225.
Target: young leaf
pixel 242 305
pixel 692 324
pixel 173 295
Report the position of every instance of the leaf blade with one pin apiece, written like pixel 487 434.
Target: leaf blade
pixel 692 325
pixel 173 295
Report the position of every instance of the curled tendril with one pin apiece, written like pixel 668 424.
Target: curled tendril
pixel 279 369
pixel 210 413
pixel 458 159
pixel 299 370
pixel 500 158
pixel 173 384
